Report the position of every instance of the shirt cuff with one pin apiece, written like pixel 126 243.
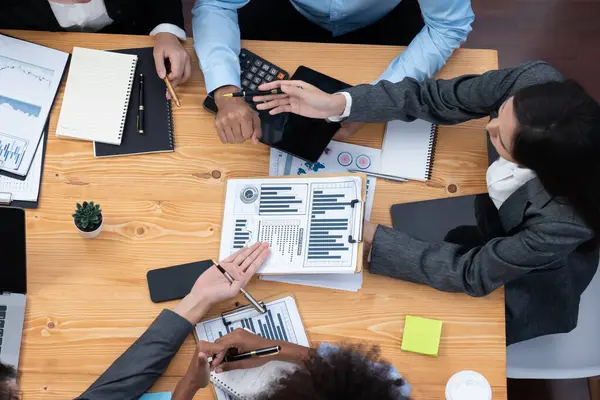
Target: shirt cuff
pixel 223 75
pixel 347 109
pixel 169 28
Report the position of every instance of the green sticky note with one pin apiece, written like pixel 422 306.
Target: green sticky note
pixel 422 335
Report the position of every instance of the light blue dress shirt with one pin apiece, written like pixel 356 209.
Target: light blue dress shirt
pixel 447 24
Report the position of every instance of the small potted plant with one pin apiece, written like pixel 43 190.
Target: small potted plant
pixel 88 219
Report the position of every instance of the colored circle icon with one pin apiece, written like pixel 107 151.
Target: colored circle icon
pixel 345 158
pixel 249 194
pixel 363 162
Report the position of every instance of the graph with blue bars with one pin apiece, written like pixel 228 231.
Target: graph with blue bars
pixel 286 199
pixel 329 228
pixel 241 235
pixel 275 324
pixel 12 150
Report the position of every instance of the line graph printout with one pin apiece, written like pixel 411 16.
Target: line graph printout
pixel 30 75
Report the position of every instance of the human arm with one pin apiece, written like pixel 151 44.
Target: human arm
pixel 217 44
pixel 440 101
pixel 447 24
pixel 479 271
pixel 134 372
pixel 168 32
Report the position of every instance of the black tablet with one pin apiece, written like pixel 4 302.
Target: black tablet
pixel 305 138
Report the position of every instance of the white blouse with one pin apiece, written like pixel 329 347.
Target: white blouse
pixel 504 178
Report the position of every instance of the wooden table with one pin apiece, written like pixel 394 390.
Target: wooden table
pixel 88 299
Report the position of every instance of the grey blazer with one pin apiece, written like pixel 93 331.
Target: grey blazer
pixel 532 244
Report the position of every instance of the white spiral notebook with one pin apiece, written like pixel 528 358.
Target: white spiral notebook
pixel 408 149
pixel 96 96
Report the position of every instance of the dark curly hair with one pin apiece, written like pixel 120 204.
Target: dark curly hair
pixel 353 372
pixel 7 373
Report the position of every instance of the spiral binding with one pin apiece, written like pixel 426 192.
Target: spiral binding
pixel 170 123
pixel 126 105
pixel 215 380
pixel 431 150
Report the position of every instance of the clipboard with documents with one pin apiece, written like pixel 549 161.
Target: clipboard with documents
pixel 281 322
pixel 25 193
pixel 313 224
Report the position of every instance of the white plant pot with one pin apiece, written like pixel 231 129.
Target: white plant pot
pixel 92 234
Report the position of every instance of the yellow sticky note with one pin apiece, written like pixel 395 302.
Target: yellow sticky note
pixel 422 335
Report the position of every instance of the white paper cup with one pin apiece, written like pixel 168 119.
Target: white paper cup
pixel 468 385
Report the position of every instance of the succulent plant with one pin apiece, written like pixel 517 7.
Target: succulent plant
pixel 88 216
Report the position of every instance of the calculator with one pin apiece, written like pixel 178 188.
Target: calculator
pixel 255 71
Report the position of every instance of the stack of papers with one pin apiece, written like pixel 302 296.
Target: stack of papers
pixel 338 158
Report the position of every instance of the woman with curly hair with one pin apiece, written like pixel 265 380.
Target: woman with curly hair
pixel 326 373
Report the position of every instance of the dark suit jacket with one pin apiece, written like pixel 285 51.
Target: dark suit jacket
pixel 132 374
pixel 136 17
pixel 533 242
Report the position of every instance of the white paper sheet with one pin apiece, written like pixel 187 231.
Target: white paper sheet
pixel 282 322
pixel 29 78
pixel 29 189
pixel 347 282
pixel 339 157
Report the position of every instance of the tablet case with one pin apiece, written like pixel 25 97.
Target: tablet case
pixel 431 220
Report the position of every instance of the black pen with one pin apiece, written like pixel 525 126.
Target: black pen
pixel 252 93
pixel 269 351
pixel 140 115
pixel 259 307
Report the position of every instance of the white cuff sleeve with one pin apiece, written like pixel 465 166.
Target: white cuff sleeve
pixel 169 28
pixel 346 113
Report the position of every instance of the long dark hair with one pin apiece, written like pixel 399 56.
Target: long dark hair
pixel 559 138
pixel 350 373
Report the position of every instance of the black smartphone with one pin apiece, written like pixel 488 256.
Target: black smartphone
pixel 176 282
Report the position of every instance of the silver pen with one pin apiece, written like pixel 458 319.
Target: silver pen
pixel 259 307
pixel 378 175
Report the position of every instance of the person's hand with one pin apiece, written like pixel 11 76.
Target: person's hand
pixel 300 98
pixel 369 230
pixel 348 129
pixel 241 341
pixel 241 265
pixel 212 287
pixel 167 45
pixel 236 121
pixel 198 372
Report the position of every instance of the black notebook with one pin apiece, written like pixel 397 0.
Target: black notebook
pixel 158 121
pixel 431 220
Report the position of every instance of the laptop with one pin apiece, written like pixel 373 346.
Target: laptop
pixel 13 283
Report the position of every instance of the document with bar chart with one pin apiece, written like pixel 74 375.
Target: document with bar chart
pixel 281 322
pixel 30 75
pixel 314 224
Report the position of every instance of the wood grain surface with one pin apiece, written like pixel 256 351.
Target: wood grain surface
pixel 88 299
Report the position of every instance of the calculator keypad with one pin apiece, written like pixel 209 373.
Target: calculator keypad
pixel 256 71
